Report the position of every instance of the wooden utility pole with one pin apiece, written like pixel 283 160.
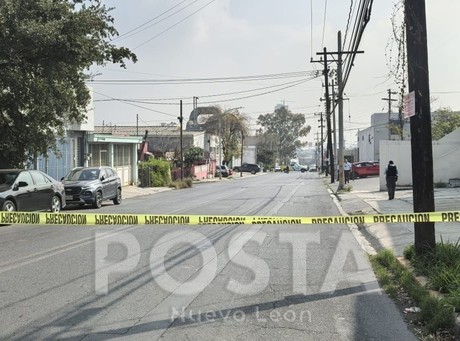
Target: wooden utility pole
pixel 181 118
pixel 389 99
pixel 420 123
pixel 328 117
pixel 340 88
pixel 340 114
pixel 320 146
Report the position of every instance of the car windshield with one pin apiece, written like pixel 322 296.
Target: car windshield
pixel 7 178
pixel 83 175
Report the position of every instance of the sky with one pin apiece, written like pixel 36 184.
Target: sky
pixel 236 44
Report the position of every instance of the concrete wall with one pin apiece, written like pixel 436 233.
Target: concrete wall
pixel 445 154
pixel 400 153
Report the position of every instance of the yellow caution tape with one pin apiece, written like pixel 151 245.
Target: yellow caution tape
pixel 43 218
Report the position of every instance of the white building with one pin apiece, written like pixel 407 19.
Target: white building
pixel 382 128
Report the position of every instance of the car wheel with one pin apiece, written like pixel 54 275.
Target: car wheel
pixel 355 175
pixel 117 199
pixel 55 204
pixel 9 206
pixel 302 171
pixel 98 200
pixel 253 172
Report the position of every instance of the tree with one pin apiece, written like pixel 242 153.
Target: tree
pixel 288 127
pixel 267 146
pixel 229 125
pixel 444 121
pixel 192 155
pixel 47 49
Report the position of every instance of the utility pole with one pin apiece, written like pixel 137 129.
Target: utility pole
pixel 333 121
pixel 322 139
pixel 389 99
pixel 328 117
pixel 180 118
pixel 420 123
pixel 242 145
pixel 340 103
pixel 317 150
pixel 340 88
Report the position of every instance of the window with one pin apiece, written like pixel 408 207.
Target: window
pixel 39 179
pixel 99 154
pixel 25 177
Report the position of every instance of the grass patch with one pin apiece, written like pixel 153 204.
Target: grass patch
pixel 441 267
pixel 437 313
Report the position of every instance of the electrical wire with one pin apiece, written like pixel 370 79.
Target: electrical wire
pixel 160 101
pixel 360 25
pixel 294 74
pixel 172 26
pixel 127 34
pixel 324 22
pixel 134 105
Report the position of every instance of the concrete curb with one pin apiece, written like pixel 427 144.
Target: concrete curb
pixel 355 230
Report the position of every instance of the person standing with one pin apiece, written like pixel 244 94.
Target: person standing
pixel 391 174
pixel 347 170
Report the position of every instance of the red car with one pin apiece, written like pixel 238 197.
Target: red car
pixel 365 168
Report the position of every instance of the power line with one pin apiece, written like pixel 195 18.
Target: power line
pixel 324 22
pixel 172 26
pixel 160 100
pixel 127 34
pixel 135 105
pixel 294 74
pixel 127 101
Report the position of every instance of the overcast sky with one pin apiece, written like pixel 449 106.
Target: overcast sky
pixel 196 39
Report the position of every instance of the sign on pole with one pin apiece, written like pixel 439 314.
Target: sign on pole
pixel 409 105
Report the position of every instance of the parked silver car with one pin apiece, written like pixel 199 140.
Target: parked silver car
pixel 92 186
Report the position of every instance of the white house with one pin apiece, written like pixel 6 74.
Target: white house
pixel 382 128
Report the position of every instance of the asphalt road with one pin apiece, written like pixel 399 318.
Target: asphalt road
pixel 206 282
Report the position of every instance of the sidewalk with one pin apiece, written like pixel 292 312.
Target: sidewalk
pixel 365 197
pixel 134 191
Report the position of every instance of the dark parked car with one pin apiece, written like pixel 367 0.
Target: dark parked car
pixel 92 186
pixel 364 169
pixel 30 190
pixel 247 167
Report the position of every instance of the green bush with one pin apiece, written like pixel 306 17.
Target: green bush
pixel 409 252
pixel 453 299
pixel 436 314
pixel 441 267
pixel 386 258
pixel 154 173
pixel 445 279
